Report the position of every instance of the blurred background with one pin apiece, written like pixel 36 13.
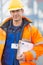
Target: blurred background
pixel 33 9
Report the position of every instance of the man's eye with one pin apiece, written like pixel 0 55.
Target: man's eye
pixel 17 10
pixel 13 11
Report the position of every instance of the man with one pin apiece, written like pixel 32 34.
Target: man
pixel 16 28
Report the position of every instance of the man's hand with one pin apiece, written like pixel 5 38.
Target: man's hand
pixel 27 56
pixel 21 57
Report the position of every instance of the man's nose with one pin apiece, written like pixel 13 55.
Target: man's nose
pixel 15 12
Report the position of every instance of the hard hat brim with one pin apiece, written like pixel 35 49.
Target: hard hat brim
pixel 15 9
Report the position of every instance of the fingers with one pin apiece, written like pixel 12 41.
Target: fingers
pixel 21 57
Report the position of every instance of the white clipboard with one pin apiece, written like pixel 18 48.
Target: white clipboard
pixel 24 46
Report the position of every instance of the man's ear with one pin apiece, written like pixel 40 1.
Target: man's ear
pixel 22 10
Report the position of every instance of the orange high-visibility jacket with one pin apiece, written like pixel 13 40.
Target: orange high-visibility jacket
pixel 29 33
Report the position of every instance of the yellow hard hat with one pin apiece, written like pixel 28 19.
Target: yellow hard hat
pixel 15 4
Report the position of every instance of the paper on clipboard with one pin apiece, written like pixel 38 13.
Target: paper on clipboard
pixel 24 46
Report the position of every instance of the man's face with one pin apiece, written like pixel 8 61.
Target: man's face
pixel 16 14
